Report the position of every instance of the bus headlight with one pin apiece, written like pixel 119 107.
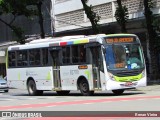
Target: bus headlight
pixel 111 76
pixel 143 73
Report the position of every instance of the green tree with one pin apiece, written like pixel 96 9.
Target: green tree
pixel 92 16
pixel 121 16
pixel 18 8
pixel 15 8
pixel 152 39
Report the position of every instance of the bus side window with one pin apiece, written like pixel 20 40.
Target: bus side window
pixel 22 58
pixel 12 59
pixel 75 54
pixel 34 57
pixel 82 55
pixel 45 56
pixel 66 55
pixel 37 57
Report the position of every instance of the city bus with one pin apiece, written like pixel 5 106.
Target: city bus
pixel 87 64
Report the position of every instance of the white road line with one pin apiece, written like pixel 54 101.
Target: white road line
pixel 157 98
pixel 124 100
pixel 7 99
pixel 141 99
pixel 87 103
pixel 51 106
pixel 25 104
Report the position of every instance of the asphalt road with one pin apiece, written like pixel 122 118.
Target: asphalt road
pixel 141 100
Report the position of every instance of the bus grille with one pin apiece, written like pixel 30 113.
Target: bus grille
pixel 124 74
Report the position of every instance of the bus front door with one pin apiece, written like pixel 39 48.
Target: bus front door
pixel 97 63
pixel 56 69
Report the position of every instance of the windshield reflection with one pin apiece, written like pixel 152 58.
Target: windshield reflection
pixel 124 57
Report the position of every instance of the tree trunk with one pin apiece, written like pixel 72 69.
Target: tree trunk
pixel 90 16
pixel 39 5
pixel 123 24
pixel 152 35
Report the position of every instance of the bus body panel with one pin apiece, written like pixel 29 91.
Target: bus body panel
pixel 103 80
pixel 113 85
pixel 70 75
pixel 42 76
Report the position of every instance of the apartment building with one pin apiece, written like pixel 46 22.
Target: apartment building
pixel 69 16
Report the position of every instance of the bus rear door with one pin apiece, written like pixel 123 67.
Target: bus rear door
pixel 56 68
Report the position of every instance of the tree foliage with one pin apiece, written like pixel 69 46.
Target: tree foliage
pixel 92 16
pixel 121 16
pixel 18 8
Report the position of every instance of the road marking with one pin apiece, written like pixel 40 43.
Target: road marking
pixel 77 102
pixel 141 99
pixel 51 106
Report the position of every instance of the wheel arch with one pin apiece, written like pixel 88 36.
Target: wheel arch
pixel 79 79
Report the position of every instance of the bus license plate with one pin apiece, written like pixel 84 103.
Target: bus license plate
pixel 128 84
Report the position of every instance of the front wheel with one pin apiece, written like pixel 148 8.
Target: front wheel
pixel 32 90
pixel 118 92
pixel 84 88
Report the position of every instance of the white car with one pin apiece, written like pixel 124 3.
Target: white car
pixel 3 85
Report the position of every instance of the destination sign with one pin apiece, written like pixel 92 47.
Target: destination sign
pixel 120 40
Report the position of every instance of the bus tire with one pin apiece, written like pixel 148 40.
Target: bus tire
pixel 118 92
pixel 62 93
pixel 84 88
pixel 32 90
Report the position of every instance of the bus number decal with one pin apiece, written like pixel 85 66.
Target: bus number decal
pixel 82 67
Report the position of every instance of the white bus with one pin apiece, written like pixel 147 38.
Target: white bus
pixel 86 63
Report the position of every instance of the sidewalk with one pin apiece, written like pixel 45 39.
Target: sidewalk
pixel 149 88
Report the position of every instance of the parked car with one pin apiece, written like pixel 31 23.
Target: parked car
pixel 3 85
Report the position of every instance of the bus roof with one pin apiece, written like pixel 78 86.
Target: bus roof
pixel 62 41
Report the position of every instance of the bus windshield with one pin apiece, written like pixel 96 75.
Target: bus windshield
pixel 124 56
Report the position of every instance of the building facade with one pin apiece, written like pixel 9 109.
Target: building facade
pixel 68 15
pixel 29 26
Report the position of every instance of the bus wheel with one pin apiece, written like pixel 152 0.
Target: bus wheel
pixel 118 92
pixel 84 88
pixel 66 92
pixel 32 90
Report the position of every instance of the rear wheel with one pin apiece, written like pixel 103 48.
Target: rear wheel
pixel 66 92
pixel 32 90
pixel 84 88
pixel 118 92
